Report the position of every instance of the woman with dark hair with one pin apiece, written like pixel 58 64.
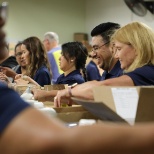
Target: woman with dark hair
pixel 35 58
pixel 72 61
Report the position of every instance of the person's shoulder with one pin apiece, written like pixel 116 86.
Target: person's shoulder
pixel 42 69
pixel 145 68
pixel 54 50
pixel 91 64
pixel 78 78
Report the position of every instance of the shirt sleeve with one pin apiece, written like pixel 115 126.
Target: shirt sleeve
pixel 10 106
pixel 142 76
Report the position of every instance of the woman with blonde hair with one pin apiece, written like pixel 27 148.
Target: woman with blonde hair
pixel 134 44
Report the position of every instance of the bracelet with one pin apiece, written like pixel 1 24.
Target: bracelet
pixel 69 89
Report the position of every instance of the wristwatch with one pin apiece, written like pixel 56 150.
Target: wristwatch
pixel 69 89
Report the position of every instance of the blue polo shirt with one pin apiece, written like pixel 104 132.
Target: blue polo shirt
pixel 10 106
pixel 73 77
pixel 92 72
pixel 143 75
pixel 42 76
pixel 115 72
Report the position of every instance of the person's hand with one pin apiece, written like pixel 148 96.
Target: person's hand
pixel 20 81
pixel 18 76
pixel 39 95
pixel 8 72
pixel 62 97
pixel 4 78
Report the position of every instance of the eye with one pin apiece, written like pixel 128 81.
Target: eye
pixel 118 49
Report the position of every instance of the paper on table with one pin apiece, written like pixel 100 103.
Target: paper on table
pixel 126 101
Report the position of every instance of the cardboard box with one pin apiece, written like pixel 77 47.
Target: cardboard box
pixel 80 37
pixel 55 87
pixel 73 114
pixel 134 104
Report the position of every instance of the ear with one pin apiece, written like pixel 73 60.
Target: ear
pixel 73 59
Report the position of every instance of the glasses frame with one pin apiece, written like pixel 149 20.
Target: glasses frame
pixel 97 48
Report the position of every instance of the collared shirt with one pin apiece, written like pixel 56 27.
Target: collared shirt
pixel 73 77
pixel 42 75
pixel 9 109
pixel 92 72
pixel 115 72
pixel 142 76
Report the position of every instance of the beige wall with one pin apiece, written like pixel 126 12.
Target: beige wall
pixel 99 11
pixel 66 17
pixel 35 17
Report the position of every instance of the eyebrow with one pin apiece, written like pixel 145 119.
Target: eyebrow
pixel 95 46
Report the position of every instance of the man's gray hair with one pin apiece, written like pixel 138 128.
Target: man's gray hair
pixel 51 36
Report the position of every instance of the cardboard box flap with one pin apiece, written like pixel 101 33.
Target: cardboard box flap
pixel 145 109
pixel 99 109
pixel 132 103
pixel 55 87
pixel 73 114
pixel 103 94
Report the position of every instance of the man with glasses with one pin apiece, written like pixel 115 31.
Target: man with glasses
pixel 104 49
pixel 105 54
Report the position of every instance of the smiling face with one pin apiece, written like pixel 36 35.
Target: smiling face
pixel 104 54
pixel 125 53
pixel 25 55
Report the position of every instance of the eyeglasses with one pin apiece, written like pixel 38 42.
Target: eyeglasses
pixel 95 48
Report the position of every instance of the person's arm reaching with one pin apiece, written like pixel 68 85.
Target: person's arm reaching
pixel 42 95
pixel 31 132
pixel 85 90
pixel 8 72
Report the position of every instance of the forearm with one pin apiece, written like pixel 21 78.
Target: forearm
pixel 111 139
pixel 85 90
pixel 12 74
pixel 31 132
pixel 50 95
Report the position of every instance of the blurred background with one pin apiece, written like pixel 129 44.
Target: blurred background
pixel 66 17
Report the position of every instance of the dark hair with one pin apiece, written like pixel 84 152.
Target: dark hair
pixel 18 44
pixel 106 30
pixel 38 55
pixel 78 51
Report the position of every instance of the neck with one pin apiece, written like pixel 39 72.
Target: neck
pixel 69 71
pixel 53 45
pixel 23 70
pixel 112 63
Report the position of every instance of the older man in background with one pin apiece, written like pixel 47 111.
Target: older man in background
pixel 51 43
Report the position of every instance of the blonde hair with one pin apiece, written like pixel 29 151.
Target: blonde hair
pixel 141 38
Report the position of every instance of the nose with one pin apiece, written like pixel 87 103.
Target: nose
pixel 116 54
